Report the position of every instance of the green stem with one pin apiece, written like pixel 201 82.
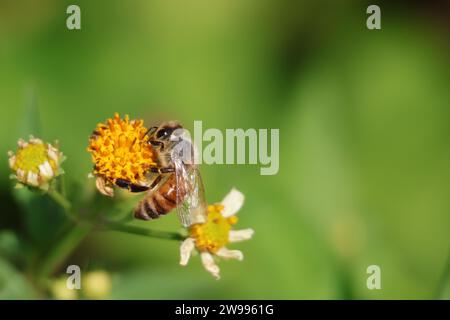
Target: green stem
pixel 63 202
pixel 66 244
pixel 71 238
pixel 142 231
pixel 59 199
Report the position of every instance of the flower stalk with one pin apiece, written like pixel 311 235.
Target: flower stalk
pixel 60 200
pixel 79 230
pixel 114 226
pixel 63 248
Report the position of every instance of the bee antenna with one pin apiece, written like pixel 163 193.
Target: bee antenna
pixel 152 130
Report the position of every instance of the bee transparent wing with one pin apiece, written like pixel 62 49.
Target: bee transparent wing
pixel 191 206
pixel 182 188
pixel 196 198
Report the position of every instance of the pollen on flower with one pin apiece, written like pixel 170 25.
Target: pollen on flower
pixel 214 233
pixel 120 150
pixel 35 163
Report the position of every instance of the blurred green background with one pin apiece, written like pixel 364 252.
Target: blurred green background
pixel 364 138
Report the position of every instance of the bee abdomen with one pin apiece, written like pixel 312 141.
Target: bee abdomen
pixel 146 209
pixel 164 202
pixel 154 206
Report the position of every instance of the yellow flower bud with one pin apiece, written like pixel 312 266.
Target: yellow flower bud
pixel 35 163
pixel 60 290
pixel 96 285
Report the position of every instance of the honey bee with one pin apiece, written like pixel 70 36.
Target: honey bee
pixel 175 179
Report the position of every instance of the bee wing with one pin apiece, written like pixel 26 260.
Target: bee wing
pixel 191 206
pixel 196 197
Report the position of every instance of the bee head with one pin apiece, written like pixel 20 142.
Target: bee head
pixel 164 132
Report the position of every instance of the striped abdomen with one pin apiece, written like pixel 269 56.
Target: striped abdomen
pixel 160 201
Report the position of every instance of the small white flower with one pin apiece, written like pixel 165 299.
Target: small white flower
pixel 211 236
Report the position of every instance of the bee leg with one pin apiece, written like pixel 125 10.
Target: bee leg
pixel 157 143
pixel 122 183
pixel 155 182
pixel 138 188
pixel 162 170
pixel 125 184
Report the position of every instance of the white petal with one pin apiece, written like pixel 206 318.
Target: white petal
pixel 34 140
pixel 52 153
pixel 32 178
pixel 185 250
pixel 22 143
pixel 102 186
pixel 240 235
pixel 21 175
pixel 210 265
pixel 46 170
pixel 232 202
pixel 230 254
pixel 12 160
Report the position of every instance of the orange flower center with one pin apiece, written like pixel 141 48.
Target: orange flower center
pixel 120 150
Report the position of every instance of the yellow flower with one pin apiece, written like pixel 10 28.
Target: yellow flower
pixel 211 236
pixel 120 150
pixel 35 163
pixel 96 285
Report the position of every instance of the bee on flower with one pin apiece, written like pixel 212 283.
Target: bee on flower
pixel 120 152
pixel 211 236
pixel 36 163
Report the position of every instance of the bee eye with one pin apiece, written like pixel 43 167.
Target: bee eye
pixel 163 133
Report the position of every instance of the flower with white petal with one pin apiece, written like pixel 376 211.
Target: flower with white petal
pixel 212 236
pixel 35 163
